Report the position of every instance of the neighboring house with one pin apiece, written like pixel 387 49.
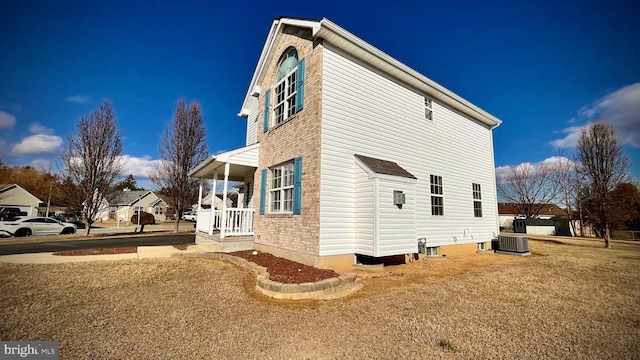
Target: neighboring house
pixel 206 202
pixel 350 152
pixel 13 195
pixel 509 211
pixel 124 204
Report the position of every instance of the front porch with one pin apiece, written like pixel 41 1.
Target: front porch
pixel 214 243
pixel 218 222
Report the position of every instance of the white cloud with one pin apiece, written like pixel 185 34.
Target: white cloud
pixel 41 164
pixel 620 108
pixel 502 171
pixel 82 99
pixel 37 144
pixel 570 140
pixel 37 128
pixel 6 120
pixel 139 167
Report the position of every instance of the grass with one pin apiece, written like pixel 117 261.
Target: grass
pixel 565 301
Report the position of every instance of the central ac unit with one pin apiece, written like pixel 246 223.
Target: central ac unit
pixel 514 243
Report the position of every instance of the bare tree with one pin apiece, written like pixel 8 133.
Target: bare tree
pixel 184 145
pixel 92 159
pixel 529 187
pixel 569 184
pixel 604 166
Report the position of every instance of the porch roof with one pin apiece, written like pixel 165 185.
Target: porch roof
pixel 241 161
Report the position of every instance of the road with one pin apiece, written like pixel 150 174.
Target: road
pixel 173 239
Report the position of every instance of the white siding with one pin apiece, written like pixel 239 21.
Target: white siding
pixel 252 121
pixel 364 213
pixel 366 113
pixel 396 227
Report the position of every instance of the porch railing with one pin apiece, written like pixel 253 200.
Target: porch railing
pixel 239 222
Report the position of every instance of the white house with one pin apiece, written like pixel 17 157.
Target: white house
pixel 15 196
pixel 124 204
pixel 350 152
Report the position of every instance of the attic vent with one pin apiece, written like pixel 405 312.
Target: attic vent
pixel 513 243
pixel 398 197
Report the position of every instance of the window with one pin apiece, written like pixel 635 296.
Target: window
pixel 281 189
pixel 138 208
pixel 432 251
pixel 428 109
pixel 437 200
pixel 477 204
pixel 286 86
pixel 158 210
pixel 482 246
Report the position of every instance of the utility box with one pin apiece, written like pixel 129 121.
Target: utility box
pixel 513 243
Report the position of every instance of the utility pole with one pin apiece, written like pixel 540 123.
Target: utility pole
pixel 49 201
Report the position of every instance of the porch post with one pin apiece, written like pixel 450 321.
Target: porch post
pixel 200 195
pixel 223 221
pixel 213 203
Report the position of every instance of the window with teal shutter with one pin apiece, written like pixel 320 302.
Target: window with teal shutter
pixel 300 85
pixel 297 186
pixel 267 98
pixel 263 190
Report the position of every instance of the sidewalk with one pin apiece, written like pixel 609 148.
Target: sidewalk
pixel 144 252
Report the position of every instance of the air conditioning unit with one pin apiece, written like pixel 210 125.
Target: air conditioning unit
pixel 398 197
pixel 513 243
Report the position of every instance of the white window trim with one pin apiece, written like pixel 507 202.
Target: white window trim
pixel 432 251
pixel 436 192
pixel 428 109
pixel 477 197
pixel 282 190
pixel 290 88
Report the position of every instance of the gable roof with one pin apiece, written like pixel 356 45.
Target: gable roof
pixel 547 209
pixel 129 197
pixel 385 167
pixel 358 48
pixel 7 187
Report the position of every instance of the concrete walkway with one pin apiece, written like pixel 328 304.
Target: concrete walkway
pixel 144 252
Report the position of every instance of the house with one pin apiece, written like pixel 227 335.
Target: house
pixel 206 202
pixel 351 153
pixel 507 212
pixel 15 196
pixel 124 204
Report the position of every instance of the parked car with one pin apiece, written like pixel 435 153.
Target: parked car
pixel 36 225
pixel 7 213
pixel 189 216
pixel 70 218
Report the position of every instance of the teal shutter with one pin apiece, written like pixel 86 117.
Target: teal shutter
pixel 297 186
pixel 263 190
pixel 300 87
pixel 267 98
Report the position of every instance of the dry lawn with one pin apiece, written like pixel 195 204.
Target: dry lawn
pixel 564 302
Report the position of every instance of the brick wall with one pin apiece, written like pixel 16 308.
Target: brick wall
pixel 299 136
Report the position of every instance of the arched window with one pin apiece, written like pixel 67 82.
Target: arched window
pixel 285 90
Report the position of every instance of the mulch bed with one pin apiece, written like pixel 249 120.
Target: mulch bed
pixel 110 251
pixel 286 271
pixel 280 269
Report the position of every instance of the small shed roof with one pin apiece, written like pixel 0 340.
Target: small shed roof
pixel 379 166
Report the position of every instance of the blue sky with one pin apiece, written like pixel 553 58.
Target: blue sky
pixel 546 68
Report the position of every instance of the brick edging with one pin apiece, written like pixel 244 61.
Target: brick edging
pixel 327 289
